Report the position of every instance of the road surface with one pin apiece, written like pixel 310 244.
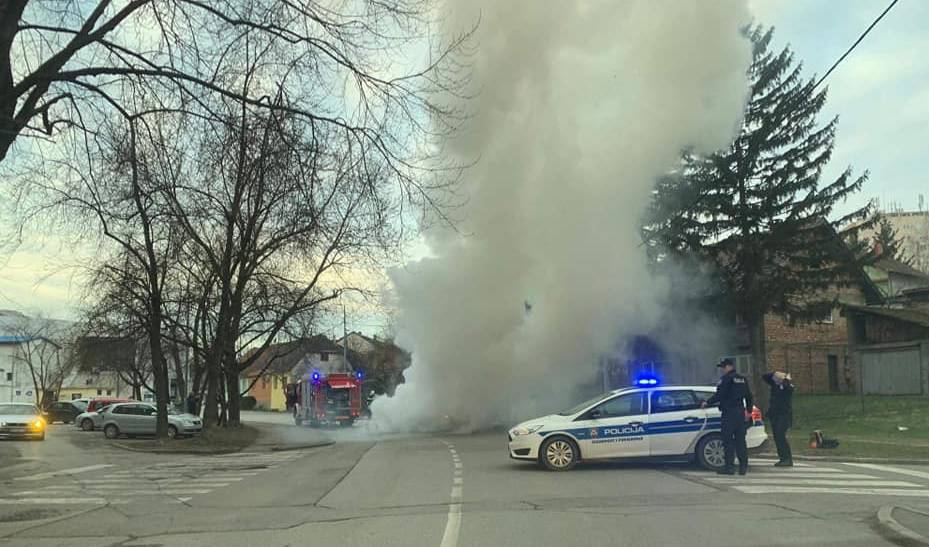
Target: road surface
pixel 430 491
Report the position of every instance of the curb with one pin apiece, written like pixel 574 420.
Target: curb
pixel 288 447
pixel 184 452
pixel 885 518
pixel 840 459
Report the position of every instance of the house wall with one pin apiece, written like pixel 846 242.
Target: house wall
pixel 804 350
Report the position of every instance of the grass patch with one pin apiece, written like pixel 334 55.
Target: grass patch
pixel 865 427
pixel 211 441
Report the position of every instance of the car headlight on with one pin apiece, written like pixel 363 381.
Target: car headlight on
pixel 38 424
pixel 527 430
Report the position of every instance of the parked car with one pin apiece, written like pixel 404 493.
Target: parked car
pixel 140 419
pixel 100 402
pixel 61 411
pixel 91 421
pixel 21 420
pixel 81 403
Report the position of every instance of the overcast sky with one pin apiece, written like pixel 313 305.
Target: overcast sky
pixel 880 92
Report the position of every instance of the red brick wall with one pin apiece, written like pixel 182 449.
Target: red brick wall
pixel 803 349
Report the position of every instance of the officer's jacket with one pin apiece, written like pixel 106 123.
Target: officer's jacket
pixel 732 393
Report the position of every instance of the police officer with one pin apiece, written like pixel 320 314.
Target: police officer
pixel 733 396
pixel 780 413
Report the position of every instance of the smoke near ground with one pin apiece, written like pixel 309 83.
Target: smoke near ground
pixel 580 107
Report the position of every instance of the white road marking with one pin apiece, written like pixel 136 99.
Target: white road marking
pixel 59 501
pixel 73 471
pixel 453 521
pixel 790 476
pixel 817 490
pixel 892 469
pixel 818 482
pixel 122 493
pixel 772 462
pixel 452 526
pixel 782 472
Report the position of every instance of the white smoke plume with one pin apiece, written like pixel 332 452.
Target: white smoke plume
pixel 581 106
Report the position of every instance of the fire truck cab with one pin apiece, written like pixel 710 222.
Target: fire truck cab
pixel 326 399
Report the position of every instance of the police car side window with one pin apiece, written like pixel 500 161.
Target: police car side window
pixel 630 404
pixel 673 401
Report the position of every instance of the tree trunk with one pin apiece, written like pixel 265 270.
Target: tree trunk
pixel 759 364
pixel 210 416
pixel 232 396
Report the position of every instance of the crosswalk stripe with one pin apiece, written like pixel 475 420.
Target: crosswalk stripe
pixel 892 469
pixel 773 489
pixel 59 501
pixel 74 471
pixel 783 472
pixel 815 482
pixel 789 476
pixel 135 486
pixel 772 462
pixel 96 493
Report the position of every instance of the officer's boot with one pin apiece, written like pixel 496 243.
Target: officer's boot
pixel 743 469
pixel 726 471
pixel 784 463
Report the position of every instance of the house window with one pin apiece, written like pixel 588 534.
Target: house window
pixel 826 318
pixel 9 376
pixel 75 396
pixel 832 362
pixel 99 392
pixel 323 356
pixel 276 382
pixel 109 392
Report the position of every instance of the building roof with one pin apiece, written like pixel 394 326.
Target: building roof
pixel 895 266
pixel 282 358
pixel 906 315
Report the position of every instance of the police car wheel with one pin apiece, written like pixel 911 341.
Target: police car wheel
pixel 710 452
pixel 559 454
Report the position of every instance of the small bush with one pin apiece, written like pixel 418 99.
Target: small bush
pixel 248 403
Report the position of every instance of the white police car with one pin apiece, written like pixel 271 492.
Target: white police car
pixel 638 422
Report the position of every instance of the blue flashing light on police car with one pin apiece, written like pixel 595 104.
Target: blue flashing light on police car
pixel 315 377
pixel 359 375
pixel 645 382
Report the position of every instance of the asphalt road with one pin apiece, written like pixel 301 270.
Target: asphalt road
pixel 436 491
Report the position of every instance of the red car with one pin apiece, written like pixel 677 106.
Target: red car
pixel 99 402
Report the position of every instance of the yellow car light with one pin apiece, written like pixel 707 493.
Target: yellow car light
pixel 38 424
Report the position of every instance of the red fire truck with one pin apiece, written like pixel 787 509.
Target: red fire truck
pixel 328 399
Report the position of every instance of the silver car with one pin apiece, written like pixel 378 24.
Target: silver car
pixel 91 421
pixel 21 420
pixel 141 418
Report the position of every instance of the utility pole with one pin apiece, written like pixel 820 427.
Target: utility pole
pixel 345 339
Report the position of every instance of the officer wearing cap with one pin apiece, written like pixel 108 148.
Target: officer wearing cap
pixel 734 397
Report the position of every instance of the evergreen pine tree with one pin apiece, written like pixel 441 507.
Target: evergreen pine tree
pixel 887 243
pixel 759 211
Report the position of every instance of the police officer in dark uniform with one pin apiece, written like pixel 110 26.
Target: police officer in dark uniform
pixel 780 413
pixel 733 396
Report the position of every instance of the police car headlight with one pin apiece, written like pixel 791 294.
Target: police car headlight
pixel 518 431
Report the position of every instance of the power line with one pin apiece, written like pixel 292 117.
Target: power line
pixel 858 41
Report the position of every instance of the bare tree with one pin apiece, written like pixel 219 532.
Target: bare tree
pixel 269 143
pixel 45 350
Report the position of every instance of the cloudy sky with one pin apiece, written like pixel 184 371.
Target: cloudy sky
pixel 880 92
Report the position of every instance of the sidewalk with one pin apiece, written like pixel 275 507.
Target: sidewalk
pixel 908 522
pixel 276 432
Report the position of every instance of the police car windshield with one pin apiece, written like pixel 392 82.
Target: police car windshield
pixel 585 404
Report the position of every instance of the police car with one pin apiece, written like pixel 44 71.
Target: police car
pixel 644 421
